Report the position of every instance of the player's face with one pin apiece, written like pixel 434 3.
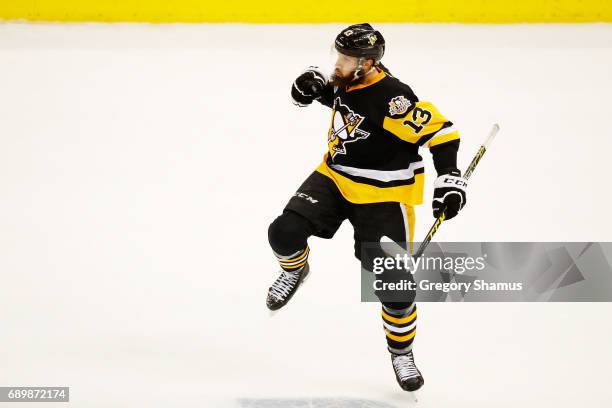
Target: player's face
pixel 345 65
pixel 344 69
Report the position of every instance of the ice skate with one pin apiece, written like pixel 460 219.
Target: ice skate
pixel 285 286
pixel 407 374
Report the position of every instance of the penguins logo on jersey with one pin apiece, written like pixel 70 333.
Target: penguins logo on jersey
pixel 344 128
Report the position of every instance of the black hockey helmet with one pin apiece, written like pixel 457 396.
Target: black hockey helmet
pixel 361 40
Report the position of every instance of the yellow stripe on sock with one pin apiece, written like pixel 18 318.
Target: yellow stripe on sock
pixel 297 258
pixel 400 320
pixel 294 266
pixel 401 338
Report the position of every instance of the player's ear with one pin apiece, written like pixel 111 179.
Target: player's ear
pixel 369 63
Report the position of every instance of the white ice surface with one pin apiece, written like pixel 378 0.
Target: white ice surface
pixel 141 165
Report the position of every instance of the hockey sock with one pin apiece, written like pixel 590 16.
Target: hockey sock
pixel 295 261
pixel 400 327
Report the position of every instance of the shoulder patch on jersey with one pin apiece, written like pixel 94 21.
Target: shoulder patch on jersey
pixel 398 105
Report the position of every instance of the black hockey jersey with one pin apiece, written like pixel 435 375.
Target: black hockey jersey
pixel 374 139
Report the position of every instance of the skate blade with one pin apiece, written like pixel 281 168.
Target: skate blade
pixel 414 396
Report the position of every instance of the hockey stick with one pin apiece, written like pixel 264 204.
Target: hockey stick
pixel 467 174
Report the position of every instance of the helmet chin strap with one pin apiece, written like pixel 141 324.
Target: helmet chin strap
pixel 358 73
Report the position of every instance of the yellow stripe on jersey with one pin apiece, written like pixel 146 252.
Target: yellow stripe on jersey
pixel 424 119
pixel 360 193
pixel 437 140
pixel 411 218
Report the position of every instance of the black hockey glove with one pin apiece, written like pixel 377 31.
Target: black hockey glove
pixel 308 86
pixel 449 191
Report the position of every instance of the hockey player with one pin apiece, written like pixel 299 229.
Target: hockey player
pixel 372 175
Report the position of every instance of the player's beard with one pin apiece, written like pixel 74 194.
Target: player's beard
pixel 337 79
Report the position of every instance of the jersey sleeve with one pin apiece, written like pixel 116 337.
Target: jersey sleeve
pixel 420 123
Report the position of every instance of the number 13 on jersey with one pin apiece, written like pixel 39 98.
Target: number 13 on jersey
pixel 419 118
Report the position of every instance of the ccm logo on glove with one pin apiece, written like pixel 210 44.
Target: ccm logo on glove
pixel 458 181
pixel 449 193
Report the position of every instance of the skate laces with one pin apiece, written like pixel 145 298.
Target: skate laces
pixel 404 366
pixel 284 284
